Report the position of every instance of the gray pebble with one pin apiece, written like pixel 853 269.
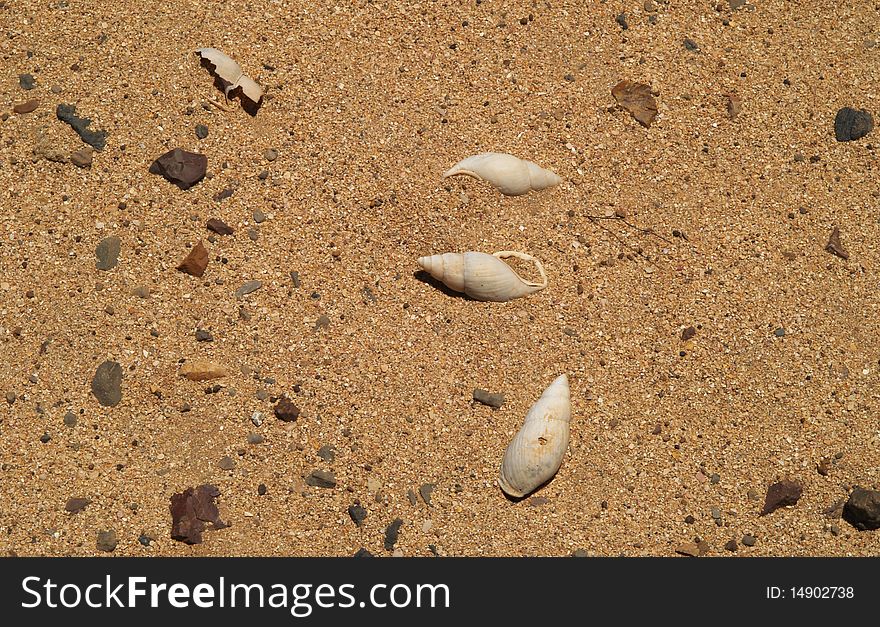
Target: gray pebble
pixel 487 398
pixel 749 540
pixel 107 252
pixel 270 155
pixel 201 131
pixel 257 417
pixel 253 234
pixel 70 419
pixel 411 496
pixel 391 534
pixel 107 541
pixel 294 277
pixel 10 397
pixel 255 438
pixel 227 463
pixel 55 89
pixel 145 539
pixel 142 291
pixel 322 323
pixel 321 479
pixel 780 332
pixel 106 384
pixel 327 453
pixel 263 175
pixel 27 81
pixel 851 124
pixel 691 45
pixel 204 336
pixel 425 490
pixel 715 512
pixel 247 288
pixel 357 513
pixel 259 216
pixel 262 395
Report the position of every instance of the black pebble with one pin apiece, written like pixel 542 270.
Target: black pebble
pixel 850 124
pixel 621 19
pixel 391 534
pixel 362 552
pixel 201 131
pixel 357 513
pixel 262 489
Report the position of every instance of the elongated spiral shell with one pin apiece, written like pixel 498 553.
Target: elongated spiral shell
pixel 482 276
pixel 510 175
pixel 536 451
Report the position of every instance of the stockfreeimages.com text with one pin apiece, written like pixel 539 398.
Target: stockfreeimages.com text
pixel 300 599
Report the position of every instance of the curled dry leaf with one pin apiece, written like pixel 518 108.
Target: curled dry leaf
pixel 231 74
pixel 637 99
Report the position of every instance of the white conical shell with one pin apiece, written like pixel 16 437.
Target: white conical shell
pixel 536 451
pixel 510 175
pixel 482 276
pixel 224 66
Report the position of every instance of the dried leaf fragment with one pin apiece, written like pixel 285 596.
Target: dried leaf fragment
pixel 196 261
pixel 231 74
pixel 202 370
pixel 834 247
pixel 637 99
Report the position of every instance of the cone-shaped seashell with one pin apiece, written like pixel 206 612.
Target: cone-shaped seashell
pixel 512 176
pixel 482 276
pixel 535 453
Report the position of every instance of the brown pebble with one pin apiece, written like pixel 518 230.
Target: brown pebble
pixel 219 227
pixel 834 247
pixel 196 261
pixel 26 107
pixel 286 411
pixel 781 494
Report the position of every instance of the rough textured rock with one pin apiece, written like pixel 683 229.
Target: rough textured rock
pixel 95 139
pixel 196 261
pixel 107 252
pixel 851 124
pixel 180 167
pixel 862 510
pixel 781 494
pixel 107 384
pixel 192 510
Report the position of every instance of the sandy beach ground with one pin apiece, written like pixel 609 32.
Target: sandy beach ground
pixel 338 179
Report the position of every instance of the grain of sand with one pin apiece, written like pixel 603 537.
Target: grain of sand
pixel 368 103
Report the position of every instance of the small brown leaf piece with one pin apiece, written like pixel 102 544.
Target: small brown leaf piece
pixel 191 510
pixel 834 247
pixel 637 99
pixel 781 494
pixel 734 105
pixel 202 370
pixel 196 261
pixel 182 168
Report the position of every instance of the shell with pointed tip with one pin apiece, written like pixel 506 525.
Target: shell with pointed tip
pixel 536 451
pixel 510 175
pixel 231 74
pixel 482 276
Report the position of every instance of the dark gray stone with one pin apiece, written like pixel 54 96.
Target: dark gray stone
pixel 27 81
pixel 107 384
pixel 107 252
pixel 357 513
pixel 425 491
pixel 488 398
pixel 201 131
pixel 321 479
pixel 327 453
pixel 248 288
pixel 95 139
pixel 851 124
pixel 862 509
pixel 392 532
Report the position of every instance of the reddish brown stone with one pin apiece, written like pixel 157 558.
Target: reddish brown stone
pixel 196 261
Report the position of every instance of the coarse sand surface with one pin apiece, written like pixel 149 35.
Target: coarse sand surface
pixel 700 220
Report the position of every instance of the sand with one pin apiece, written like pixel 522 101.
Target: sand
pixel 368 103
